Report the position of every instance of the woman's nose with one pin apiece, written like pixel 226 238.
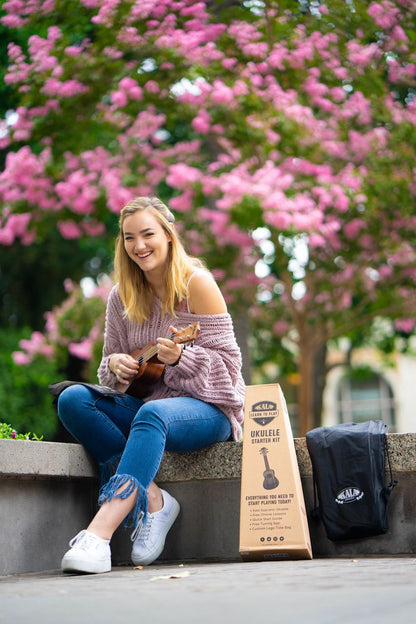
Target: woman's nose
pixel 139 244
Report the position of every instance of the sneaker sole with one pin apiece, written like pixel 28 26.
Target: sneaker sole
pixel 77 564
pixel 157 551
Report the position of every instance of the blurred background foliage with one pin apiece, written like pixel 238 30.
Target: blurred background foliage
pixel 354 147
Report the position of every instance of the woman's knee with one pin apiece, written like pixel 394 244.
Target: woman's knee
pixel 71 399
pixel 151 414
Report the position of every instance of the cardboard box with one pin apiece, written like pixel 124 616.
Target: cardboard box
pixel 273 521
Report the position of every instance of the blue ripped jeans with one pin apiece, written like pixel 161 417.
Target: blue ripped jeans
pixel 127 436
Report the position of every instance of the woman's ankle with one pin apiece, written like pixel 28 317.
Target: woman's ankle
pixel 101 532
pixel 155 499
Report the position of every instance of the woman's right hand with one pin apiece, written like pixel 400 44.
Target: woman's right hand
pixel 124 367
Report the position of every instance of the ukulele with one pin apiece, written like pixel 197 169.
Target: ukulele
pixel 270 480
pixel 150 368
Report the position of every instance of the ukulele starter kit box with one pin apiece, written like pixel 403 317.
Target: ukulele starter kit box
pixel 273 521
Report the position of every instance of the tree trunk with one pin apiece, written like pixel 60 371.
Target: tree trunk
pixel 319 381
pixel 241 328
pixel 312 356
pixel 305 398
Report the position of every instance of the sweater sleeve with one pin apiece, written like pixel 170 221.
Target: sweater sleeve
pixel 115 338
pixel 210 370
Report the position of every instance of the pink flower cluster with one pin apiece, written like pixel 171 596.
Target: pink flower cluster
pixel 63 89
pixel 280 123
pixel 47 343
pixel 16 226
pixel 24 181
pixel 36 344
pixel 128 89
pixel 405 325
pixel 79 191
pixel 385 14
pixel 18 12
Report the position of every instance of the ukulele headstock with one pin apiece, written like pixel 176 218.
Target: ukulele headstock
pixel 189 333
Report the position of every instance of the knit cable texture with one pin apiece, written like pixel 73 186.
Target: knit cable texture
pixel 209 370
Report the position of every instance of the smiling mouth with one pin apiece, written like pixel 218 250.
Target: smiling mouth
pixel 144 256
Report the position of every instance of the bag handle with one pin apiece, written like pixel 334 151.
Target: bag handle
pixel 315 513
pixel 393 482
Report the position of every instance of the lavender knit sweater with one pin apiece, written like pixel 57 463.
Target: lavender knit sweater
pixel 210 370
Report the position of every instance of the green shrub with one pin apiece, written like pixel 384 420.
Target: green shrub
pixel 25 402
pixel 8 433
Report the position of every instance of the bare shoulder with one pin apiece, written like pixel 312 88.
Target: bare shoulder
pixel 205 296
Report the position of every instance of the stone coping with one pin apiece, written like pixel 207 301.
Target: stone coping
pixel 27 459
pixel 24 458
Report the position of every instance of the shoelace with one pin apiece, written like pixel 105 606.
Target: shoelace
pixel 84 540
pixel 142 529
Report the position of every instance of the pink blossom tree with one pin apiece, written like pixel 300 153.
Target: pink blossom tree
pixel 282 133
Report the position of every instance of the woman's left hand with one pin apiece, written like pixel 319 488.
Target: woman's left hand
pixel 169 352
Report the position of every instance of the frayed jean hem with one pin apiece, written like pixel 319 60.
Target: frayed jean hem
pixel 110 491
pixel 108 469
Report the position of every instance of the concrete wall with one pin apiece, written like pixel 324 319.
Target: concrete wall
pixel 48 493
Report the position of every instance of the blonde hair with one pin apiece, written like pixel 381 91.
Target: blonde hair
pixel 134 289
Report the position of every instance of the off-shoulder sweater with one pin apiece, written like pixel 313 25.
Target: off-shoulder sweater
pixel 210 370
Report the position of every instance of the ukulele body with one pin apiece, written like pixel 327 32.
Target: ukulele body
pixel 150 368
pixel 270 480
pixel 148 374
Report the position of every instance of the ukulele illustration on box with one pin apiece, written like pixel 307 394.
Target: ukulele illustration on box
pixel 150 368
pixel 270 480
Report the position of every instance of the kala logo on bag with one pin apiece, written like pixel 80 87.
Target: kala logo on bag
pixel 349 495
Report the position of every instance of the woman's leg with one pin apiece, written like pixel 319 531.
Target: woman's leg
pixel 179 424
pixel 101 424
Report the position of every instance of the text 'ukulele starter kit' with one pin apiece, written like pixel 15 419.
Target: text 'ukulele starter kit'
pixel 273 521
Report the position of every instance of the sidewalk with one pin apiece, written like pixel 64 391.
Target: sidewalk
pixel 325 591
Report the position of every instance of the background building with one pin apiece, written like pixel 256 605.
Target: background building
pixel 370 390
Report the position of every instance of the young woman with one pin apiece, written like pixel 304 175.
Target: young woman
pixel 197 400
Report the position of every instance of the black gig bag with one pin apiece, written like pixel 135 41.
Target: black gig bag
pixel 348 463
pixel 56 389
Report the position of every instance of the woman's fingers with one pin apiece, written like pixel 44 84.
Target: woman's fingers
pixel 168 351
pixel 125 368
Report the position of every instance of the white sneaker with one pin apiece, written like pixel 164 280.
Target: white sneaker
pixel 88 553
pixel 149 539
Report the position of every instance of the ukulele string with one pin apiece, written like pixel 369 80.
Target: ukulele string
pixel 144 357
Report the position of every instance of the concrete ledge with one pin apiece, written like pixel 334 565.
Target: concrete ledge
pixel 48 493
pixel 44 460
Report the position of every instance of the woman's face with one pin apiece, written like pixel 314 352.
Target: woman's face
pixel 146 242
